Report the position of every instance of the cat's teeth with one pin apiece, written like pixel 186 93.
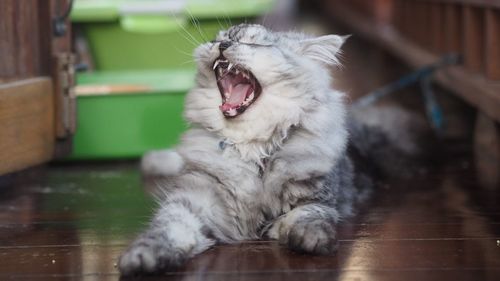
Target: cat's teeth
pixel 249 99
pixel 232 112
pixel 230 66
pixel 216 64
pixel 237 71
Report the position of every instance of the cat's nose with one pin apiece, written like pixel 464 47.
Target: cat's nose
pixel 224 45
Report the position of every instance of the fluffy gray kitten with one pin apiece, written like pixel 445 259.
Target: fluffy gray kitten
pixel 266 156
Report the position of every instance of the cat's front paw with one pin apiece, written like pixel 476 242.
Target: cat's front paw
pixel 312 237
pixel 148 257
pixel 161 163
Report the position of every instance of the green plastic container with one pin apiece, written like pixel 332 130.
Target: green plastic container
pixel 144 112
pixel 155 34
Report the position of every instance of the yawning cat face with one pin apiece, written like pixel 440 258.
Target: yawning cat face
pixel 255 81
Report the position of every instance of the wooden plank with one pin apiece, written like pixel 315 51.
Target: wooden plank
pixel 425 27
pixel 453 29
pixel 27 122
pixel 487 151
pixel 383 11
pixel 27 38
pixel 492 44
pixel 45 38
pixel 419 32
pixel 475 3
pixel 473 41
pixel 473 88
pixel 400 19
pixel 413 15
pixel 8 51
pixel 19 39
pixel 397 17
pixel 437 27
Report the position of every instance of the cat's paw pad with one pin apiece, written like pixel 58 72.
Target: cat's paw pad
pixel 142 257
pixel 313 237
pixel 139 258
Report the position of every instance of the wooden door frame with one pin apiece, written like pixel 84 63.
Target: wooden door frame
pixel 37 104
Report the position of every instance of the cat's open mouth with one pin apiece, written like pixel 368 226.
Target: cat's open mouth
pixel 238 87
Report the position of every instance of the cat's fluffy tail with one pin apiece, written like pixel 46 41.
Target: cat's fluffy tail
pixel 389 138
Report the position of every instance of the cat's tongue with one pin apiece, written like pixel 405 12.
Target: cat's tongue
pixel 237 95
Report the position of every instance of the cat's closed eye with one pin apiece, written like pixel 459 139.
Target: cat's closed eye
pixel 256 44
pixel 245 43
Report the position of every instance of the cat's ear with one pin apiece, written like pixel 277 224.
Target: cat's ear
pixel 324 48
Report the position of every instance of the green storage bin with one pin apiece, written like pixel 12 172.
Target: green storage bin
pixel 155 34
pixel 144 112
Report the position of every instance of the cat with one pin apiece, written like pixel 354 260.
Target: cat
pixel 268 155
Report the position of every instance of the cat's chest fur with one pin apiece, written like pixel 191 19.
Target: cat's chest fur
pixel 278 192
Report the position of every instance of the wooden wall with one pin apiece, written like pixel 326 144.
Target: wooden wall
pixel 24 46
pixel 419 32
pixel 471 28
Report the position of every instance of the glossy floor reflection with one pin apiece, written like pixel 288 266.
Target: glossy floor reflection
pixel 70 222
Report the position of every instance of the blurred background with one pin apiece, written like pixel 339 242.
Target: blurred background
pixel 119 69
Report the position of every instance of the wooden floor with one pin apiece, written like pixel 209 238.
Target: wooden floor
pixel 71 223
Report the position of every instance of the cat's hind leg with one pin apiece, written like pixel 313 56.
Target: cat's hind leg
pixel 308 229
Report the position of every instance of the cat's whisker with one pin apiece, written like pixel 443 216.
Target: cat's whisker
pixel 156 197
pixel 193 43
pixel 264 19
pixel 218 21
pixel 226 17
pixel 187 62
pixel 189 55
pixel 197 25
pixel 192 38
pixel 183 52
